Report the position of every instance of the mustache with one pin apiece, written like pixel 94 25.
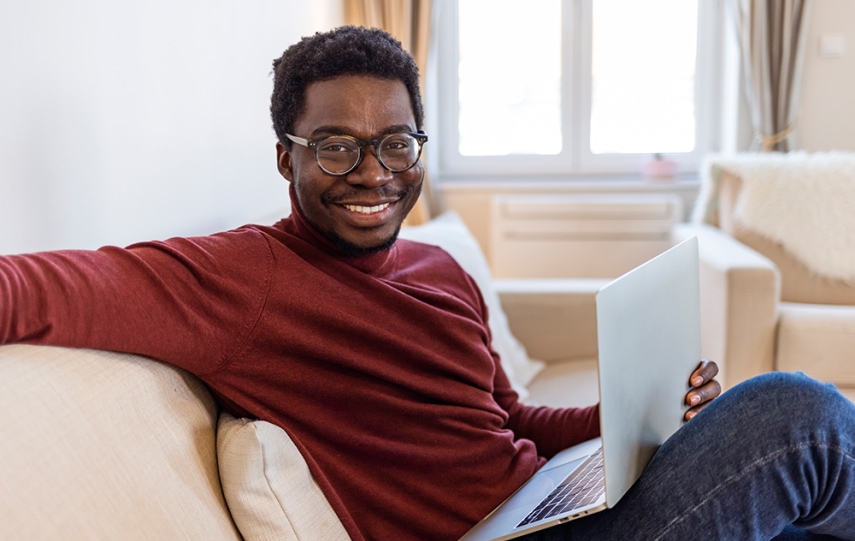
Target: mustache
pixel 383 192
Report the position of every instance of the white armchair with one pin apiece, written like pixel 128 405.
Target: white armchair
pixel 739 304
pixel 763 309
pixel 777 243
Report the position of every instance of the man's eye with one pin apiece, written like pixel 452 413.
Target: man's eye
pixel 396 144
pixel 335 147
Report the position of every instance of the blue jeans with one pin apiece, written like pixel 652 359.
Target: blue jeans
pixel 772 458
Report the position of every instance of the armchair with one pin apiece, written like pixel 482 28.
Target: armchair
pixel 775 234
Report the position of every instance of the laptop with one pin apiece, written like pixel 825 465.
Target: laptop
pixel 648 333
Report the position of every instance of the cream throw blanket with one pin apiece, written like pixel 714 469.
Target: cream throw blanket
pixel 805 202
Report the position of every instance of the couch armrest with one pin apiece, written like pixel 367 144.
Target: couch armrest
pixel 740 290
pixel 554 319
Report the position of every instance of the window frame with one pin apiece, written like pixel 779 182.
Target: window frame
pixel 576 159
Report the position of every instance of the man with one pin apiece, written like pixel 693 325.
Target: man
pixel 374 354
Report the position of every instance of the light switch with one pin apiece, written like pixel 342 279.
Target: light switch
pixel 831 45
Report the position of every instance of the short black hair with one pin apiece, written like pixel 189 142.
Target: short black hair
pixel 347 50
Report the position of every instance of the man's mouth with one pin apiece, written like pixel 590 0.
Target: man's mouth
pixel 361 209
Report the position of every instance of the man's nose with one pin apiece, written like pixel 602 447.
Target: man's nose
pixel 370 172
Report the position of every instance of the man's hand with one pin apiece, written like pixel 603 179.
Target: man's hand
pixel 704 388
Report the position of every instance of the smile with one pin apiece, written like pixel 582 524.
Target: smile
pixel 366 210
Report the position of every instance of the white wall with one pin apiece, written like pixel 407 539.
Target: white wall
pixel 827 117
pixel 127 121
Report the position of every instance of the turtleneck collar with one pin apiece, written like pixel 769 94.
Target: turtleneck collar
pixel 297 224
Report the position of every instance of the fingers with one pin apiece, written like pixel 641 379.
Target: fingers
pixel 701 397
pixel 694 411
pixel 706 371
pixel 703 394
pixel 704 390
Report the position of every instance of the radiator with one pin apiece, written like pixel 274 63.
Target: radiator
pixel 579 235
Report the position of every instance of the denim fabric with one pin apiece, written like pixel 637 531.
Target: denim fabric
pixel 772 458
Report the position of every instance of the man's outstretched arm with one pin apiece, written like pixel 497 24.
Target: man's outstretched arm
pixel 169 300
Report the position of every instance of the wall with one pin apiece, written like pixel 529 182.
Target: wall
pixel 827 118
pixel 127 121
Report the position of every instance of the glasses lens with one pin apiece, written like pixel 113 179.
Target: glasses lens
pixel 337 154
pixel 398 151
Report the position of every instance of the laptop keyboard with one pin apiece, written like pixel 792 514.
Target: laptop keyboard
pixel 579 489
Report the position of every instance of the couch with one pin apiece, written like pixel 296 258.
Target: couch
pixel 104 445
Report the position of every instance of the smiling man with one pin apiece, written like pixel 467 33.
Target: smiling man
pixel 374 354
pixel 355 175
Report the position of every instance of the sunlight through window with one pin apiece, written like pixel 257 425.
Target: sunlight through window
pixel 643 76
pixel 513 96
pixel 510 77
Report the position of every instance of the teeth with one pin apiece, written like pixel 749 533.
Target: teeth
pixel 366 210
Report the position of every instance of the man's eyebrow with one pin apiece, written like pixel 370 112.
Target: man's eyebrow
pixel 339 130
pixel 398 129
pixel 328 130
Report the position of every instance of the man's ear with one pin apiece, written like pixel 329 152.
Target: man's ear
pixel 283 162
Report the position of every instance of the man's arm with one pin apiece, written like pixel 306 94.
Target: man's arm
pixel 551 429
pixel 554 429
pixel 189 302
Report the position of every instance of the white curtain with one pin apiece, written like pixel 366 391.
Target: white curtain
pixel 772 35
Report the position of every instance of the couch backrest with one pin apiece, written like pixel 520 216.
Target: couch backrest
pixel 798 283
pixel 100 445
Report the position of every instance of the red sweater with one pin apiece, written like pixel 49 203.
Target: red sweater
pixel 379 368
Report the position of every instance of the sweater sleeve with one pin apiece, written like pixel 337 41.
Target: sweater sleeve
pixel 551 429
pixel 189 302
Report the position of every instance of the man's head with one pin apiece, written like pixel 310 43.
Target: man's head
pixel 358 83
pixel 348 50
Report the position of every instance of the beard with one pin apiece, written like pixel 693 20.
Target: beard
pixel 351 250
pixel 347 248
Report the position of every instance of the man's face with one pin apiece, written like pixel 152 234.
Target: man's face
pixel 361 211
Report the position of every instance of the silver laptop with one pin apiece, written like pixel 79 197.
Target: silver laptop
pixel 648 331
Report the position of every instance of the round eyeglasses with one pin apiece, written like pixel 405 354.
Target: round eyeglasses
pixel 341 154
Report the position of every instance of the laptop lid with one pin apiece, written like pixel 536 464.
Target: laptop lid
pixel 648 332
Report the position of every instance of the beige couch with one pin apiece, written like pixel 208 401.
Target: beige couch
pixel 102 445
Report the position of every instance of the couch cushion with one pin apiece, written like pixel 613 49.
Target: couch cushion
pixel 100 445
pixel 817 340
pixel 268 486
pixel 450 233
pixel 571 383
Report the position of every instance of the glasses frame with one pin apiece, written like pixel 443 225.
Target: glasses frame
pixel 420 137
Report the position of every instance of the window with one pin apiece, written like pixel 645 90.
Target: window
pixel 575 87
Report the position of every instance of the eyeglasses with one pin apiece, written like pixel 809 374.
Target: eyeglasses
pixel 341 154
